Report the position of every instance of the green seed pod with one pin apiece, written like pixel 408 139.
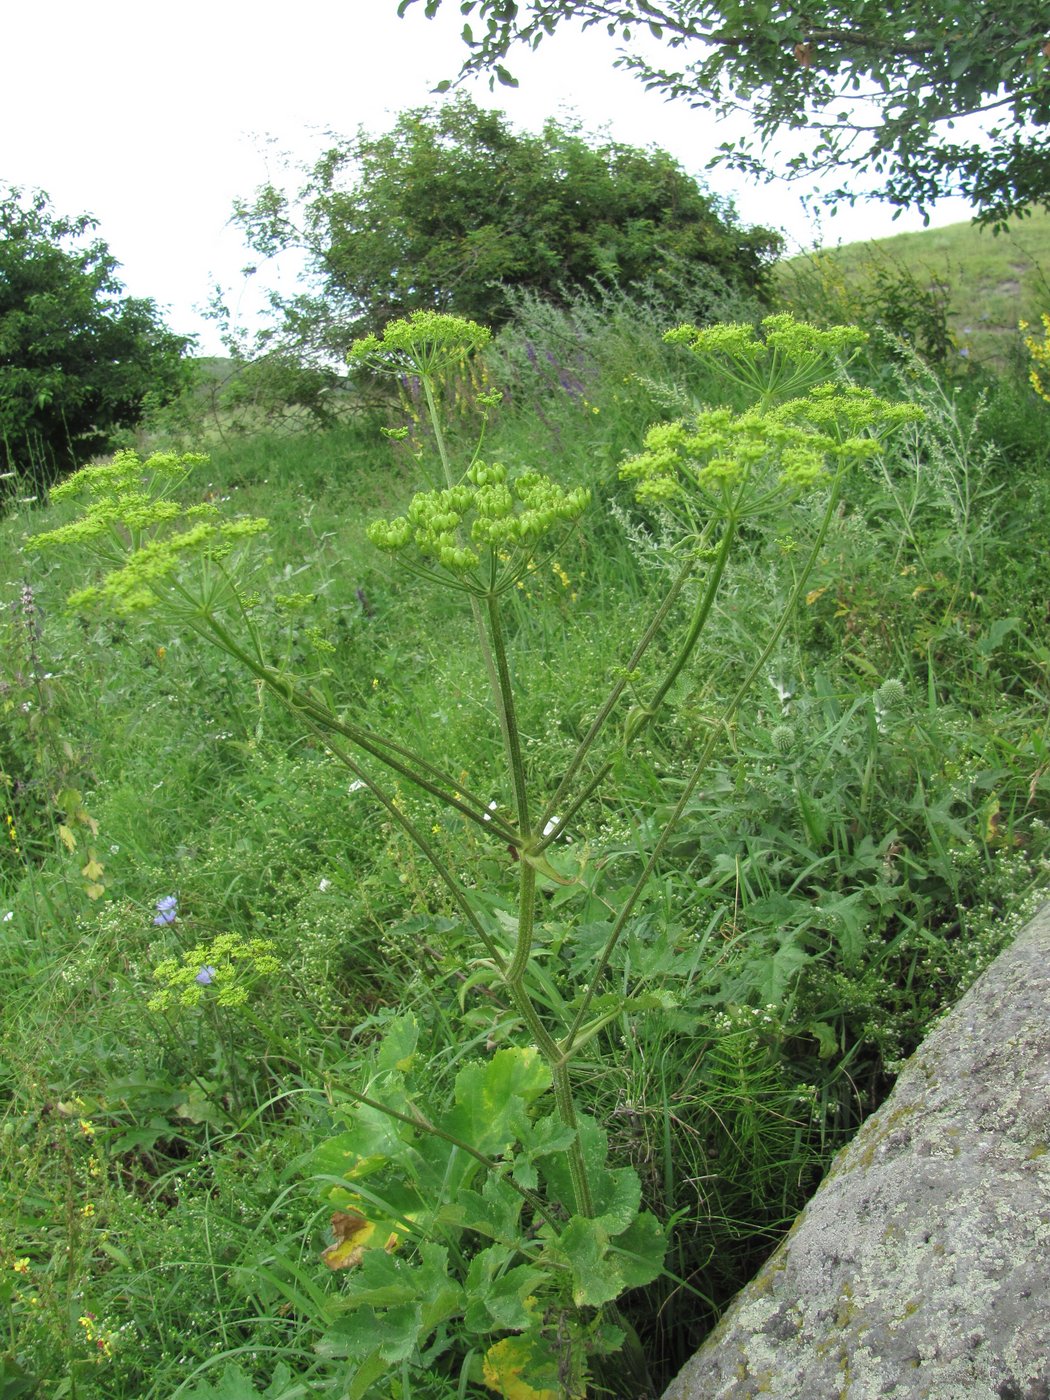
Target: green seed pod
pixel 782 737
pixel 891 694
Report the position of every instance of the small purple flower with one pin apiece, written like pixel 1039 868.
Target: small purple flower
pixel 572 385
pixel 412 383
pixel 167 910
pixel 205 977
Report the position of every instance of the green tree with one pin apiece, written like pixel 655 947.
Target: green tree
pixel 805 66
pixel 453 211
pixel 77 357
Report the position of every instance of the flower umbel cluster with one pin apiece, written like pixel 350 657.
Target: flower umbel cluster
pixel 226 968
pixel 131 524
pixel 424 343
pixel 789 357
pixel 484 531
pixel 741 464
pixel 848 414
pixel 719 455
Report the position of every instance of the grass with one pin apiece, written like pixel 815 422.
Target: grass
pixel 986 282
pixel 871 832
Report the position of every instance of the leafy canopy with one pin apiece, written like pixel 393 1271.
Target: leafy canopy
pixel 452 211
pixel 803 66
pixel 77 357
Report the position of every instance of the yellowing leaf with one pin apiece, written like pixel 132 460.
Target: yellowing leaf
pixel 353 1235
pixel 814 594
pixel 94 891
pixel 66 837
pixel 93 870
pixel 505 1366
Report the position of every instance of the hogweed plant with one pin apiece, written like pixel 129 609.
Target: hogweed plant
pixel 523 1235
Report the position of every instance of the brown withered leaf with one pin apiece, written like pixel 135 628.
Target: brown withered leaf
pixel 352 1234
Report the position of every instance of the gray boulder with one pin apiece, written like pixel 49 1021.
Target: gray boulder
pixel 921 1267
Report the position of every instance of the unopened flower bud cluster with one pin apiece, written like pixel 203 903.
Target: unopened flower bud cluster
pixel 487 511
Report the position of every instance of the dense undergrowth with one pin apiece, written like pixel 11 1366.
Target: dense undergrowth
pixel 870 834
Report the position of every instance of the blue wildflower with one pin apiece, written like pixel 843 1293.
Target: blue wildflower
pixel 167 910
pixel 206 976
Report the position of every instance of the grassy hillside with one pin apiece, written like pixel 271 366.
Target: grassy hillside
pixel 987 282
pixel 216 934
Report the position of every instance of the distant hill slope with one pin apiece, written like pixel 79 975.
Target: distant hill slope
pixel 991 281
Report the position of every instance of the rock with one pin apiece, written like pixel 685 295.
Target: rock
pixel 921 1267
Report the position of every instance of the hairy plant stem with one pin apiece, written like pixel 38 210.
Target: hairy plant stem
pixel 699 620
pixel 598 723
pixel 514 979
pixel 415 835
pixel 515 975
pixel 317 721
pixel 504 699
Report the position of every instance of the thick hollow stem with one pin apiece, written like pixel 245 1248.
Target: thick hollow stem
pixel 415 835
pixel 475 606
pixel 515 980
pixel 435 423
pixel 402 760
pixel 699 619
pixel 598 723
pixel 504 697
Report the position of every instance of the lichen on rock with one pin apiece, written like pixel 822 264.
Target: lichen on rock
pixel 921 1267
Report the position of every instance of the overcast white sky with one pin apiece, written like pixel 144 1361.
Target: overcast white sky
pixel 155 117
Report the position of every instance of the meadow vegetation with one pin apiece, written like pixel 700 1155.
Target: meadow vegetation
pixel 957 292
pixel 231 942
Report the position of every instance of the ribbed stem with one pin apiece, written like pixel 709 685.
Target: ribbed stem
pixel 508 719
